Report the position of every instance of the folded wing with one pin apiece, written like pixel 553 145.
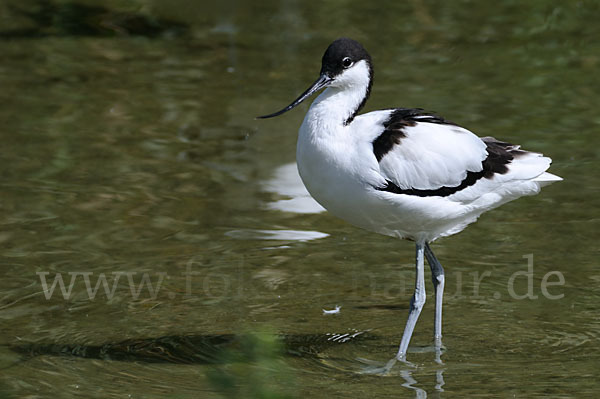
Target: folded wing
pixel 424 155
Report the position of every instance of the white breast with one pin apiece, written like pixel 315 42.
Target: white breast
pixel 339 168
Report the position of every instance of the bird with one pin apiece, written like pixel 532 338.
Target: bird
pixel 402 172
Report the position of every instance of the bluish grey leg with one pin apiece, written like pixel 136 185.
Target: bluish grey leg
pixel 437 276
pixel 416 303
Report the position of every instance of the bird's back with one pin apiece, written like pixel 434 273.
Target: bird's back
pixel 408 173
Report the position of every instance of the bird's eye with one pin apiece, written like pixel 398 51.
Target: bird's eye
pixel 347 62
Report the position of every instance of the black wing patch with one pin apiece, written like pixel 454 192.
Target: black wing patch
pixel 500 155
pixel 399 119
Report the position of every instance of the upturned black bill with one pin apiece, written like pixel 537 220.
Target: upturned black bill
pixel 323 81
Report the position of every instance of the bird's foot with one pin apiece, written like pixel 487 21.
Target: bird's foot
pixel 374 367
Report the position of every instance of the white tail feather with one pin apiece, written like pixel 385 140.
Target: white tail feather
pixel 547 177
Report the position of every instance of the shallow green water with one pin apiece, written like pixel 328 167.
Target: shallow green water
pixel 130 149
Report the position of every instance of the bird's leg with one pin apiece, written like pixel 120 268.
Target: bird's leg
pixel 437 276
pixel 416 303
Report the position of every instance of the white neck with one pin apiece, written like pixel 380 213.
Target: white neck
pixel 337 105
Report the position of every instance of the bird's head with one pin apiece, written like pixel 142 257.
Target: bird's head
pixel 345 65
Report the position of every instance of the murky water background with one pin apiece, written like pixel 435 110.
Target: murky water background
pixel 130 151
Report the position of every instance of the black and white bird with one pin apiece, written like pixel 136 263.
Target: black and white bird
pixel 403 172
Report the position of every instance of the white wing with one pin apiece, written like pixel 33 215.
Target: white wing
pixel 433 155
pixel 424 155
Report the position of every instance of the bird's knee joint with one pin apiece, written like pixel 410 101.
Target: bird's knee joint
pixel 418 301
pixel 438 280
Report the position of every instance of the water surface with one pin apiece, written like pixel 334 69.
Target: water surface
pixel 130 151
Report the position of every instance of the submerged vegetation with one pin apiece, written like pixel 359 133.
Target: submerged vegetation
pixel 254 369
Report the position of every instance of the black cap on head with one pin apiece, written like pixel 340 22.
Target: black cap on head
pixel 342 54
